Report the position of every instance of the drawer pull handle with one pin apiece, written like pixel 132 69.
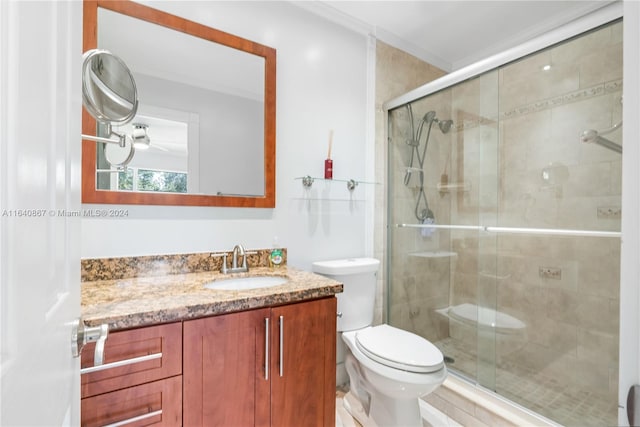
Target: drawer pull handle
pixel 134 419
pixel 120 363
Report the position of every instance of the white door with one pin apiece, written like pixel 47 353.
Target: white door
pixel 40 108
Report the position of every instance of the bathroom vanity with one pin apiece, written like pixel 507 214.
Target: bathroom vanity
pixel 180 354
pixel 273 366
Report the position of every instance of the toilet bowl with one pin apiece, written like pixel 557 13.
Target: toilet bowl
pixel 388 368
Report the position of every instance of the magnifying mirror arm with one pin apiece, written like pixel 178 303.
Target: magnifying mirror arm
pixel 121 139
pixel 120 169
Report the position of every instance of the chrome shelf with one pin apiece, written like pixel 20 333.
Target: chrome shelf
pixel 307 181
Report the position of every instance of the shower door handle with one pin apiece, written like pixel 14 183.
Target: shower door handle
pixel 633 405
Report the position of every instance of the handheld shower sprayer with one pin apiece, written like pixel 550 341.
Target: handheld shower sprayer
pixel 422 210
pixel 430 116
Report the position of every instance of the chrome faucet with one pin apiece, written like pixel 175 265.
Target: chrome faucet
pixel 238 251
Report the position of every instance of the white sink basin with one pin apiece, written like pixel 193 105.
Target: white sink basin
pixel 244 283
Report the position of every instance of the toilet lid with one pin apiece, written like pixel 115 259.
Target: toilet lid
pixel 399 349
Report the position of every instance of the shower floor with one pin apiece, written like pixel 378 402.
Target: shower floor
pixel 569 406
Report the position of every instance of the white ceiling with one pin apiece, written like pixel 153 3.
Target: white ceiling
pixel 451 34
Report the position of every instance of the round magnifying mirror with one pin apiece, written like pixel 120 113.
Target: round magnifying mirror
pixel 108 89
pixel 118 156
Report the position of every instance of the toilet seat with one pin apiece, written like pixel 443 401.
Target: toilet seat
pixel 399 349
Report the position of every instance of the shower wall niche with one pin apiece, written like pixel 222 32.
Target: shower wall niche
pixel 515 275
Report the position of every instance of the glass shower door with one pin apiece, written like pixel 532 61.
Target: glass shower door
pixel 504 230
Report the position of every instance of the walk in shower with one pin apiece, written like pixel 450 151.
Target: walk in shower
pixel 504 226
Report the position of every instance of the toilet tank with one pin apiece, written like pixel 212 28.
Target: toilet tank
pixel 356 303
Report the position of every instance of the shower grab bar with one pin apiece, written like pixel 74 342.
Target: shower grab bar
pixel 595 137
pixel 517 230
pixel 552 231
pixel 611 129
pixel 448 227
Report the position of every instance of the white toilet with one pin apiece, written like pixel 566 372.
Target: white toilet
pixel 389 369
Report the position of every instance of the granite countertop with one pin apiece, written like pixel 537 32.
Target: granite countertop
pixel 142 301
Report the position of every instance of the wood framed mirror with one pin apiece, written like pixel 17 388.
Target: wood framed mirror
pixel 220 157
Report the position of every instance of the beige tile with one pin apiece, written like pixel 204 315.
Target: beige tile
pixel 456 400
pixel 490 418
pixel 574 50
pixel 597 347
pixel 437 402
pixel 606 321
pixel 464 418
pixel 601 66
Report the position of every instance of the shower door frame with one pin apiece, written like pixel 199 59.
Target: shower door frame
pixel 629 338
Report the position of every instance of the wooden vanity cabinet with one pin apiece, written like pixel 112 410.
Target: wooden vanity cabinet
pixel 265 367
pixel 140 380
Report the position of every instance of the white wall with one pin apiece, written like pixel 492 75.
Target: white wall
pixel 321 85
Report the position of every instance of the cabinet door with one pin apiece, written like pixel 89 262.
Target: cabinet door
pixel 303 383
pixel 224 373
pixel 158 403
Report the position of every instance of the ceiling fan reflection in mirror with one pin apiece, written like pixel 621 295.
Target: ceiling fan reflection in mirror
pixel 140 138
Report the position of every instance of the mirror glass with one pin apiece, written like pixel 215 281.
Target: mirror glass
pixel 119 157
pixel 223 86
pixel 206 108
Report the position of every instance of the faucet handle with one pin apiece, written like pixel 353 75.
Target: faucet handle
pixel 223 269
pixel 244 263
pixel 217 254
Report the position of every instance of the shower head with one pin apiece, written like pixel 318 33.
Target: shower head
pixel 445 125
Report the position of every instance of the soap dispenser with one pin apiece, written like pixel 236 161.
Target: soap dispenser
pixel 275 257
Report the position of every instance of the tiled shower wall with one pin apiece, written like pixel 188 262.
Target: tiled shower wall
pixel 397 72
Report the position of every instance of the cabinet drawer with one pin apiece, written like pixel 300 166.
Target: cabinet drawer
pixel 163 345
pixel 158 403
